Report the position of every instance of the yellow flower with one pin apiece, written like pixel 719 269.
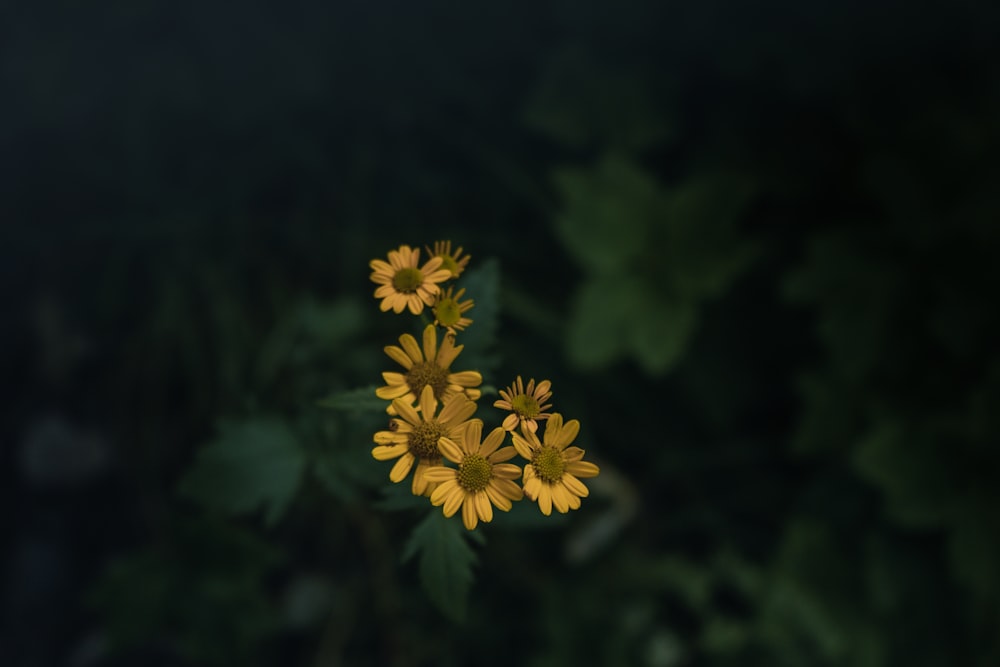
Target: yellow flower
pixel 427 369
pixel 481 480
pixel 553 475
pixel 525 405
pixel 448 310
pixel 414 437
pixel 453 262
pixel 403 285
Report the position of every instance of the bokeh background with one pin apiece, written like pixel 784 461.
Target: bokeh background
pixel 753 245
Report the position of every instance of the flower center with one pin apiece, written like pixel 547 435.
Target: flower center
pixel 526 406
pixel 425 373
pixel 424 440
pixel 407 280
pixel 549 464
pixel 448 262
pixel 474 473
pixel 447 312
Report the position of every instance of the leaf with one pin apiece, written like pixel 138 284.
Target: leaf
pixel 601 312
pixel 607 212
pixel 482 285
pixel 446 561
pixel 253 464
pixel 362 399
pixel 659 335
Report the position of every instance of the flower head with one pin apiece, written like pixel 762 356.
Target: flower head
pixel 482 478
pixel 401 284
pixel 452 262
pixel 449 310
pixel 553 475
pixel 430 368
pixel 415 437
pixel 526 405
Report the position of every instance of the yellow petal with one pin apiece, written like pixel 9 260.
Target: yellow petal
pixel 384 290
pixel 381 267
pixel 441 493
pixel 456 410
pixel 469 517
pixel 406 411
pixel 387 452
pixel 402 468
pixel 511 421
pixel 484 508
pixel 392 391
pixel 492 443
pixel 428 404
pixel 466 378
pixel 430 342
pixel 567 433
pixel 498 499
pixel 409 344
pixel 451 451
pixel 533 487
pixel 439 474
pixel 575 485
pixel 545 499
pixel 552 429
pixel 560 498
pixel 506 471
pixel 453 500
pixel 523 447
pixel 582 469
pixel 507 488
pixel 471 436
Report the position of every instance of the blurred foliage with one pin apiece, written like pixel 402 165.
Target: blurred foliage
pixel 756 257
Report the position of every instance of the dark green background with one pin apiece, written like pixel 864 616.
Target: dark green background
pixel 754 246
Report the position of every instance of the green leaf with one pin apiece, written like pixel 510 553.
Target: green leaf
pixel 607 212
pixel 253 464
pixel 601 312
pixel 659 335
pixel 362 399
pixel 446 561
pixel 482 285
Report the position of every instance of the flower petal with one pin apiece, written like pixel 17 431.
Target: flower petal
pixel 453 500
pixel 442 492
pixel 472 435
pixel 388 452
pixel 484 508
pixel 506 471
pixel 489 446
pixel 469 517
pixel 409 344
pixel 498 499
pixel 402 468
pixel 392 391
pixel 439 474
pixel 406 411
pixel 466 378
pixel 428 404
pixel 545 499
pixel 450 450
pixel 560 498
pixel 582 469
pixel 430 342
pixel 575 485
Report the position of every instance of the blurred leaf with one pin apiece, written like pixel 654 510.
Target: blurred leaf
pixel 607 212
pixel 446 561
pixel 482 284
pixel 358 400
pixel 912 474
pixel 659 336
pixel 602 311
pixel 253 464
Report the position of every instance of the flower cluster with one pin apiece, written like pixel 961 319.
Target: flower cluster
pixel 432 431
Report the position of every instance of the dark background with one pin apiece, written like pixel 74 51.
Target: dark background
pixel 752 244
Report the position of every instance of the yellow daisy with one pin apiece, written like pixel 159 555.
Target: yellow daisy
pixel 414 437
pixel 402 285
pixel 553 475
pixel 525 405
pixel 481 480
pixel 430 368
pixel 448 310
pixel 453 262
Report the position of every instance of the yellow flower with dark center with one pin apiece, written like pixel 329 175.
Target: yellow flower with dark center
pixel 415 437
pixel 448 310
pixel 482 478
pixel 526 406
pixel 453 262
pixel 401 284
pixel 552 476
pixel 430 368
